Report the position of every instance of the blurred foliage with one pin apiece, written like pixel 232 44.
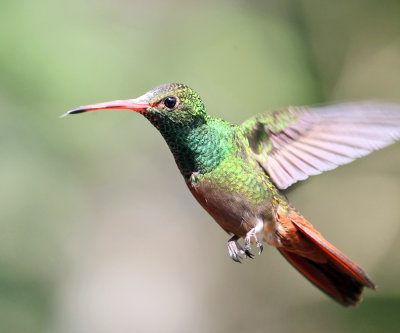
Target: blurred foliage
pixel 92 237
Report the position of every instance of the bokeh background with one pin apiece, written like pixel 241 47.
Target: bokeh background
pixel 98 232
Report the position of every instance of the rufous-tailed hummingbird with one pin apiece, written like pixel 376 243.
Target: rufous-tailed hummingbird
pixel 237 173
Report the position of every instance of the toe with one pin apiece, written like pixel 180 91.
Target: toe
pixel 249 254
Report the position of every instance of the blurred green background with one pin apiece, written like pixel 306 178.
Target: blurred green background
pixel 98 232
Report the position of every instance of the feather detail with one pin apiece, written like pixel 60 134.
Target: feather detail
pixel 295 143
pixel 320 262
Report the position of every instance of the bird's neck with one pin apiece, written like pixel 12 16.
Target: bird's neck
pixel 199 146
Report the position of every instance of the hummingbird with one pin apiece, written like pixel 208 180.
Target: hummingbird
pixel 238 173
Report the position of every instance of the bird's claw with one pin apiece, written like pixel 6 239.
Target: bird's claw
pixel 234 249
pixel 248 254
pixel 260 246
pixel 247 249
pixel 247 241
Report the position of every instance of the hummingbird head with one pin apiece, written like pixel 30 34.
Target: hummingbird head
pixel 197 141
pixel 166 105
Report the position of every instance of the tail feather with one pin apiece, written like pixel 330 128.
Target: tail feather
pixel 322 264
pixel 327 278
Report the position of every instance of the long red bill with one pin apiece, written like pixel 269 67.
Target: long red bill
pixel 131 104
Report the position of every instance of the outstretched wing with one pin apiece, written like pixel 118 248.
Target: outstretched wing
pixel 295 143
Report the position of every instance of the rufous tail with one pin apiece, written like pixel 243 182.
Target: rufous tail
pixel 320 262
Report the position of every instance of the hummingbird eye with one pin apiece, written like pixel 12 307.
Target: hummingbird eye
pixel 170 102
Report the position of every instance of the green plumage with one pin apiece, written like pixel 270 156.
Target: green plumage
pixel 275 122
pixel 208 149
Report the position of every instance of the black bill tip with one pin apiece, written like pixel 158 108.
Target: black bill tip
pixel 77 110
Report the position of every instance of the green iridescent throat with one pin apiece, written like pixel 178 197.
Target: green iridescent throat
pixel 198 145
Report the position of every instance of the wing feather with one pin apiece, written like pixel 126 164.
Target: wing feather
pixel 295 143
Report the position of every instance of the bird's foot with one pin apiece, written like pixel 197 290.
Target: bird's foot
pixel 247 241
pixel 235 250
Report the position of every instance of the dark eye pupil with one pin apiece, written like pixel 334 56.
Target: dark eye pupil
pixel 170 102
